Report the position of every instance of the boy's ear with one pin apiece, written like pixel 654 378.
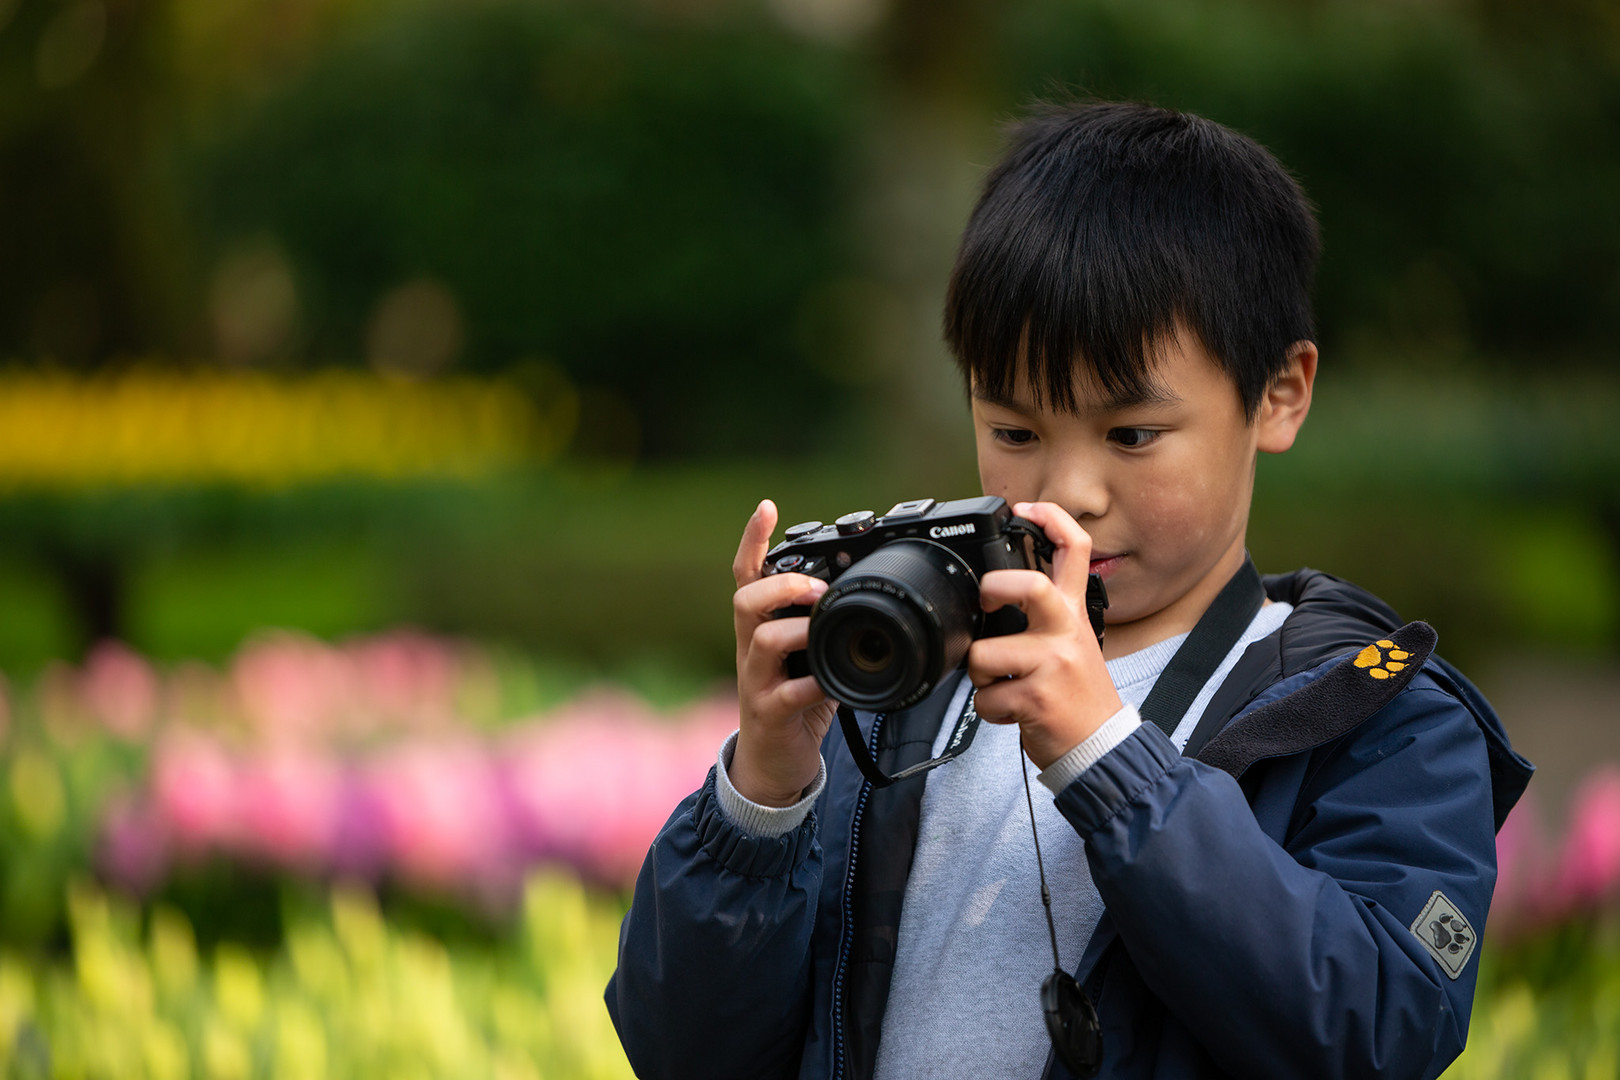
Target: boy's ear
pixel 1287 400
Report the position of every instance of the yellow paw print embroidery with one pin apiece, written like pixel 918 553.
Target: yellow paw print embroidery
pixel 1377 664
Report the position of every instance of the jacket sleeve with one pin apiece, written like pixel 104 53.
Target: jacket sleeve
pixel 1294 956
pixel 714 955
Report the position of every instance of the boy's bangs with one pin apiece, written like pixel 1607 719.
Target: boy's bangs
pixel 1079 327
pixel 1072 271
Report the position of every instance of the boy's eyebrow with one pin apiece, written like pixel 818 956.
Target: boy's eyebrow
pixel 1125 399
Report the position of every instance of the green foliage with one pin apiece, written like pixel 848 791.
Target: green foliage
pixel 1474 505
pixel 1548 1008
pixel 644 201
pixel 53 786
pixel 1460 155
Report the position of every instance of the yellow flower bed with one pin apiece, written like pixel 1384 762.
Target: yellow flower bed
pixel 347 995
pixel 157 426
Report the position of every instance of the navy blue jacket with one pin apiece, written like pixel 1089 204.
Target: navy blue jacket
pixel 1265 891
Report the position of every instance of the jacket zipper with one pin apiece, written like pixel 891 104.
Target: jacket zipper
pixel 844 943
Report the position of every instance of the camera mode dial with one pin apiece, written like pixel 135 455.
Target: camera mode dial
pixel 857 522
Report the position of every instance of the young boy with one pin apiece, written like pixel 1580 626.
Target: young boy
pixel 1282 871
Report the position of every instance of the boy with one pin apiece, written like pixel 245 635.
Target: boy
pixel 1282 872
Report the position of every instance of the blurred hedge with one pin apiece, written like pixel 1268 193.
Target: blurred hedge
pixel 674 201
pixel 647 201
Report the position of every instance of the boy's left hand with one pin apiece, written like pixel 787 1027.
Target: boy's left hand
pixel 1051 679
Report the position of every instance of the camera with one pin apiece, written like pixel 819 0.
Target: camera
pixel 902 605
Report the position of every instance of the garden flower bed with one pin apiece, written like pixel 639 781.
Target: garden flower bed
pixel 404 856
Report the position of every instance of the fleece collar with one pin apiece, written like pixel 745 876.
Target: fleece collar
pixel 1376 658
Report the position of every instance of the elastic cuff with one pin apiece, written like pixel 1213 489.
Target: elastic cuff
pixel 1117 778
pixel 1115 730
pixel 753 818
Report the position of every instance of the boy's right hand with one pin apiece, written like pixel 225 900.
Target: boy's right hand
pixel 783 720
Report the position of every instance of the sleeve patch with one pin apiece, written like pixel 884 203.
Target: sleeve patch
pixel 1446 934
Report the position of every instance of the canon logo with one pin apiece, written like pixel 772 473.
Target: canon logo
pixel 940 532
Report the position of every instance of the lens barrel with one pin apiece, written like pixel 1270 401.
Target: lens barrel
pixel 893 624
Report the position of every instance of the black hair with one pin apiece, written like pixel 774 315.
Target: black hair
pixel 1109 225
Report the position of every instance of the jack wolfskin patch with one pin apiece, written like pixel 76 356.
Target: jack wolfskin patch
pixel 1445 933
pixel 1380 665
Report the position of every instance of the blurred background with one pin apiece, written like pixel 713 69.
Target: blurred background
pixel 383 388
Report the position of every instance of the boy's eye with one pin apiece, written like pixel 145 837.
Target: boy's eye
pixel 1013 436
pixel 1133 437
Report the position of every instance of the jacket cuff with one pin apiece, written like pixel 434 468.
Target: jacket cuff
pixel 1063 772
pixel 736 851
pixel 754 818
pixel 1117 778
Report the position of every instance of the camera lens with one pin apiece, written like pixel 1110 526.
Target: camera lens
pixel 871 650
pixel 893 624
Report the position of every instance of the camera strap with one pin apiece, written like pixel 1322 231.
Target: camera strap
pixel 967 725
pixel 1211 639
pixel 1209 643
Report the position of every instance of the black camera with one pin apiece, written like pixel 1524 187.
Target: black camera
pixel 903 602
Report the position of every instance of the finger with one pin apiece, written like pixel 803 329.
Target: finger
pixel 754 602
pixel 753 606
pixel 775 638
pixel 762 663
pixel 998 703
pixel 1071 559
pixel 756 541
pixel 994 660
pixel 1032 592
pixel 791 697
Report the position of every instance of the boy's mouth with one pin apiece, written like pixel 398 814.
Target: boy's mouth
pixel 1106 565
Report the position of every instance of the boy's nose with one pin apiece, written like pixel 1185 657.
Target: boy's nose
pixel 1083 495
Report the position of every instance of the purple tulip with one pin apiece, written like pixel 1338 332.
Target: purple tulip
pixel 133 847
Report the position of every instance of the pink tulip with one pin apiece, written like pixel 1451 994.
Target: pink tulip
pixel 1520 863
pixel 289 807
pixel 704 725
pixel 441 804
pixel 1589 872
pixel 405 676
pixel 195 791
pixel 121 689
pixel 292 688
pixel 594 788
